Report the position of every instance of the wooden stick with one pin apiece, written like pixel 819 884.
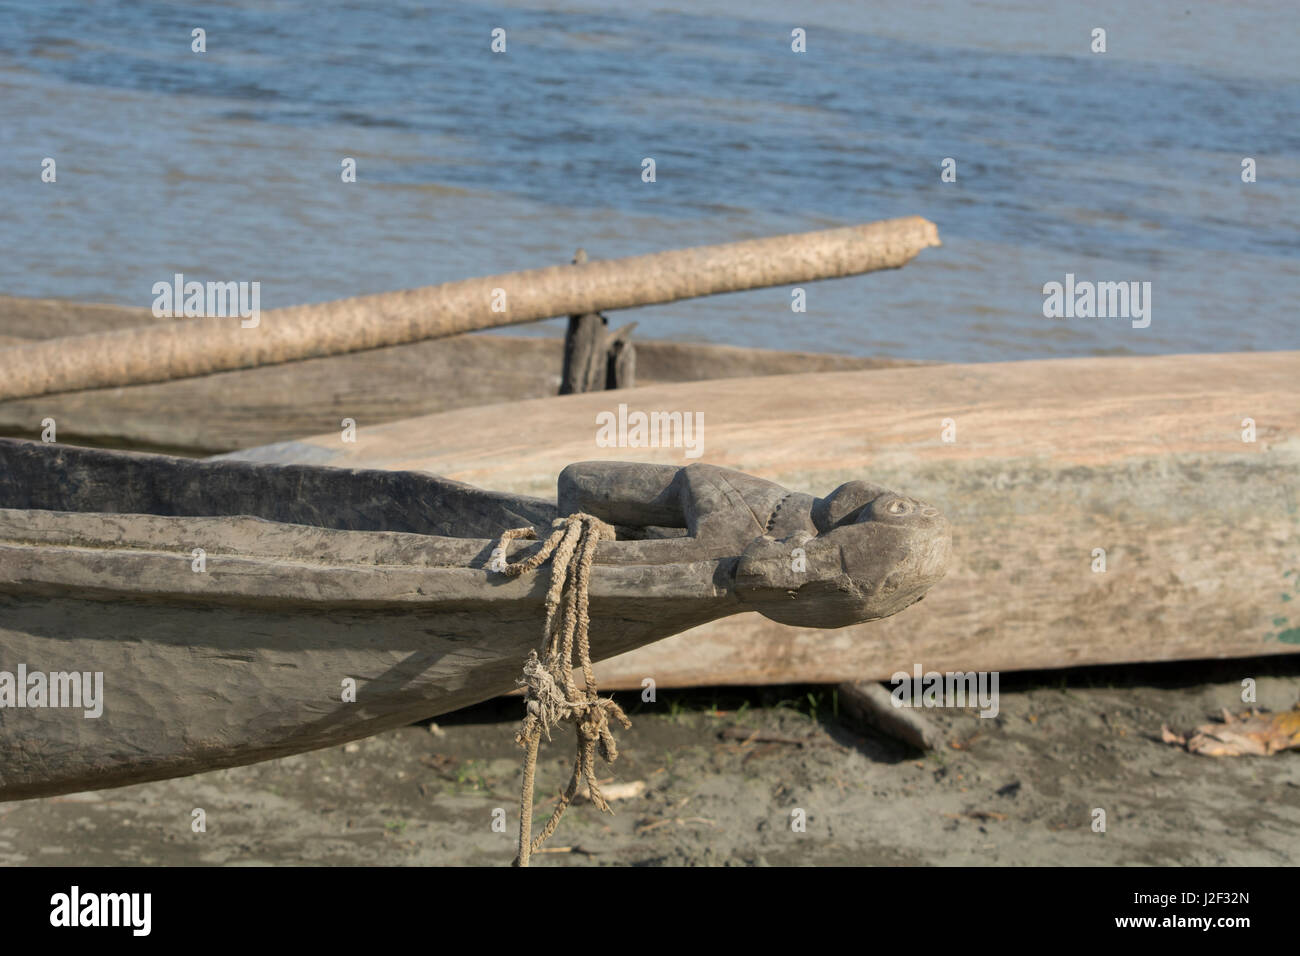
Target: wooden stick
pixel 584 354
pixel 620 358
pixel 870 703
pixel 184 349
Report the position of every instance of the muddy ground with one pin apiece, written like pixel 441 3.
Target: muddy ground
pixel 1016 789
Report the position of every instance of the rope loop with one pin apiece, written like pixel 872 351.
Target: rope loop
pixel 551 696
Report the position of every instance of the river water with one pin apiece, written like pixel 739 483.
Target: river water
pixel 1115 166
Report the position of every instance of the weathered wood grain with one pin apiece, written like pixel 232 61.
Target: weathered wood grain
pixel 311 577
pixel 1141 457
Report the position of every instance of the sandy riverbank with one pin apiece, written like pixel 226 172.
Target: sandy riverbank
pixel 1020 790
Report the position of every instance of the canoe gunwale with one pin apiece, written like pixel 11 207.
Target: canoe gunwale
pixel 50 568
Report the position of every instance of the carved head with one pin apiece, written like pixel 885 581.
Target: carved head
pixel 875 553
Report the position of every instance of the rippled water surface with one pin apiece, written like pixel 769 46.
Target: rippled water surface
pixel 1116 166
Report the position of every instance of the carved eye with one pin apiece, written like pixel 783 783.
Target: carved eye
pixel 899 507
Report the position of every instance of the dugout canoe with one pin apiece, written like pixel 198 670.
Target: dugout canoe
pixel 217 613
pixel 232 410
pixel 1053 467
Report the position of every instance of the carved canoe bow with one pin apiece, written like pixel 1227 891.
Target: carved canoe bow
pixel 163 616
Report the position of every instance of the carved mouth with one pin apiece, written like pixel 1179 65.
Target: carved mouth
pixel 865 568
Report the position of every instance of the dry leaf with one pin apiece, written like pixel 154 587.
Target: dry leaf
pixel 1253 734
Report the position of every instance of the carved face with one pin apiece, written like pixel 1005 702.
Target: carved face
pixel 875 553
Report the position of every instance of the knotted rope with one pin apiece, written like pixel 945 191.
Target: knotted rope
pixel 552 696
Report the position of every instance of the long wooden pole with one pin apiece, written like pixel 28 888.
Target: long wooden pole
pixel 193 347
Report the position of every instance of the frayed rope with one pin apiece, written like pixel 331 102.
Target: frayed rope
pixel 552 697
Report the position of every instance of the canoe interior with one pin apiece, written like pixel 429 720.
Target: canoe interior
pixel 71 479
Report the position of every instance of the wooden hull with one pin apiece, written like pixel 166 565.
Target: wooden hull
pixel 194 682
pixel 247 658
pixel 1141 457
pixel 235 410
pixel 195 615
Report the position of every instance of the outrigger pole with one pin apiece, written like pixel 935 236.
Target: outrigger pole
pixel 186 349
